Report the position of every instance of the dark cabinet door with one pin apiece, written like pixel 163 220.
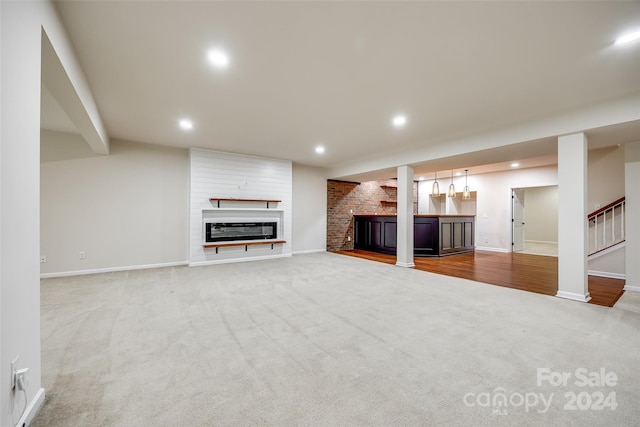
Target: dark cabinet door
pixel 390 230
pixel 456 235
pixel 468 233
pixel 425 236
pixel 376 233
pixel 360 238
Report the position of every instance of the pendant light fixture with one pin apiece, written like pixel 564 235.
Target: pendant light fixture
pixel 466 194
pixel 452 188
pixel 435 191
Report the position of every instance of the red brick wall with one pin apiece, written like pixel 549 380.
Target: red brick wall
pixel 345 199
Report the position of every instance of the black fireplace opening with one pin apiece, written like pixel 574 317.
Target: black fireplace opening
pixel 230 231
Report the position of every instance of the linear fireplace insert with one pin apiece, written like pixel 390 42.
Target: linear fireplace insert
pixel 231 231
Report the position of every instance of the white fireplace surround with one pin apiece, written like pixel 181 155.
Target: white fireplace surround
pixel 243 183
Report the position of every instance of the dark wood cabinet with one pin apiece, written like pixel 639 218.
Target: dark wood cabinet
pixel 376 233
pixel 456 235
pixel 433 235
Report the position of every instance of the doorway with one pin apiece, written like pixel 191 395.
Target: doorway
pixel 517 219
pixel 534 220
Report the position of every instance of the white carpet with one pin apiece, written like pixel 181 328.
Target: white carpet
pixel 326 340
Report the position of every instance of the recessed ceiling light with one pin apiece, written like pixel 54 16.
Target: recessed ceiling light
pixel 218 58
pixel 319 149
pixel 628 38
pixel 185 124
pixel 421 178
pixel 458 173
pixel 515 164
pixel 399 121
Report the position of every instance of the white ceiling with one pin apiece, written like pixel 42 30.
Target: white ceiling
pixel 334 73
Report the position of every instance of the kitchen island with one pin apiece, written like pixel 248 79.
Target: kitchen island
pixel 433 235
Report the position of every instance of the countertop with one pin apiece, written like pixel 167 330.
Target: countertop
pixel 419 215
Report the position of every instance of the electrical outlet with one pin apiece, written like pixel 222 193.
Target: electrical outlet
pixel 14 370
pixel 43 258
pixel 21 380
pixel 348 238
pixel 83 255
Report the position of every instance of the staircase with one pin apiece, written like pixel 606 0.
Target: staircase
pixel 606 227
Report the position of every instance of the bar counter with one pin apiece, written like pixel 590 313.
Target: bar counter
pixel 433 235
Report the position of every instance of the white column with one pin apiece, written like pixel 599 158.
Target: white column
pixel 404 254
pixel 21 34
pixel 632 213
pixel 572 218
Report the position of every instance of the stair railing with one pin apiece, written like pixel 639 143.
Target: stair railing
pixel 606 226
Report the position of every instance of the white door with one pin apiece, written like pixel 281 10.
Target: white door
pixel 517 219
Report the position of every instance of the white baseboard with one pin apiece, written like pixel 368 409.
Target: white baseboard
pixel 490 249
pixel 607 274
pixel 232 260
pixel 111 269
pixel 574 296
pixel 632 288
pixel 311 251
pixel 405 264
pixel 541 241
pixel 33 409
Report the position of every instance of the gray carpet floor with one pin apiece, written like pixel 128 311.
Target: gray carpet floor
pixel 329 340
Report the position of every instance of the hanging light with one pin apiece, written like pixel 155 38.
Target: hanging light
pixel 466 194
pixel 435 191
pixel 452 188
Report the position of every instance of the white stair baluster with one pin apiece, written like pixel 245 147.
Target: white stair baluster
pixel 613 225
pixel 604 229
pixel 622 221
pixel 595 234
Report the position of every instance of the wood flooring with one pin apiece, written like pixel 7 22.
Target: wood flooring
pixel 532 273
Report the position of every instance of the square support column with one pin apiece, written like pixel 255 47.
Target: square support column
pixel 632 212
pixel 573 241
pixel 404 254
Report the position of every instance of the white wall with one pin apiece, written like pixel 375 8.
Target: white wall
pixel 309 209
pixel 491 202
pixel 445 205
pixel 137 188
pixel 606 183
pixel 125 210
pixel 609 264
pixel 424 192
pixel 605 176
pixel 541 214
pixel 56 146
pixel 19 205
pixel 22 24
pixel 227 175
pixel 632 178
pixel 493 220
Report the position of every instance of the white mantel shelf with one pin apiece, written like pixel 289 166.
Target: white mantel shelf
pixel 222 199
pixel 214 209
pixel 246 244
